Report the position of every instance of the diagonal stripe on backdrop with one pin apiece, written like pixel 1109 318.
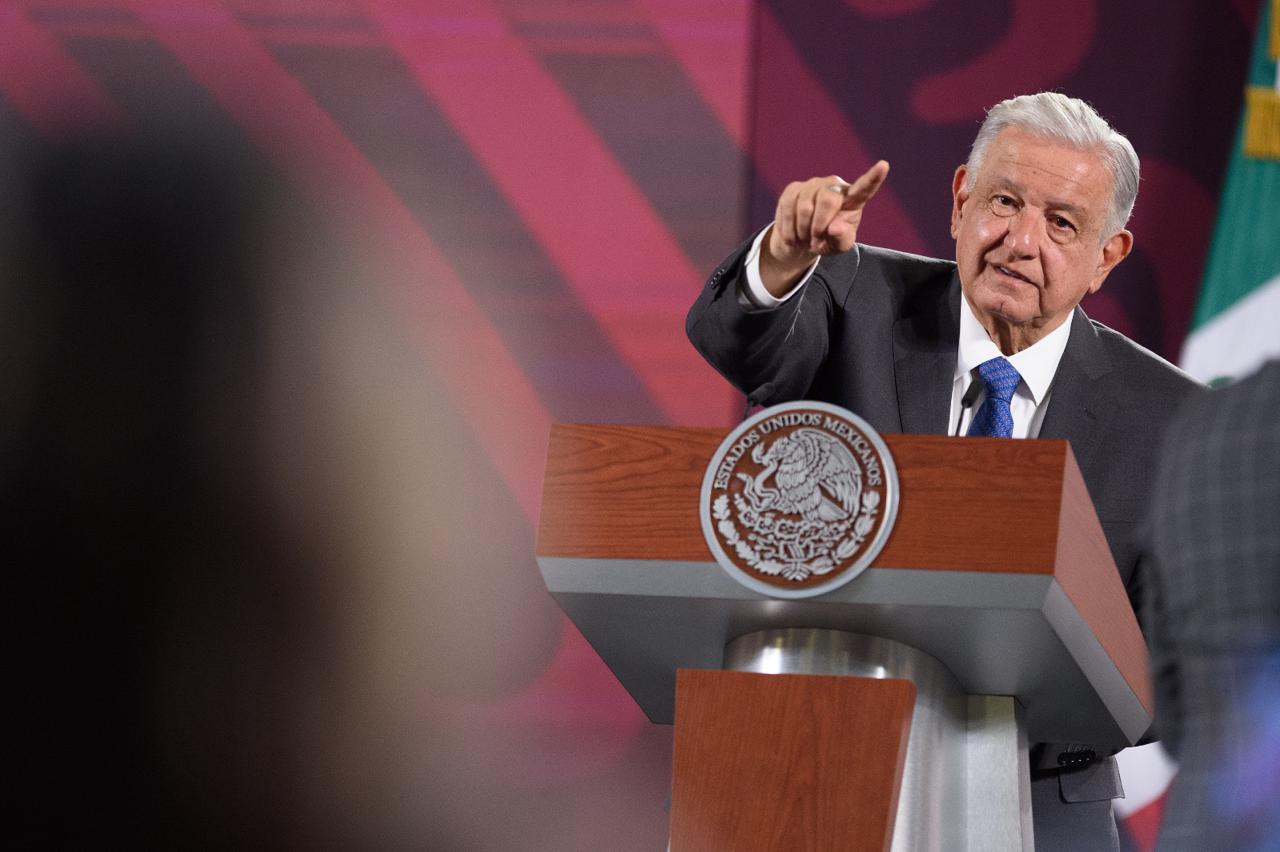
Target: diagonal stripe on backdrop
pixel 673 148
pixel 822 142
pixel 606 238
pixel 567 357
pixel 485 382
pixel 700 37
pixel 711 41
pixel 278 114
pixel 44 83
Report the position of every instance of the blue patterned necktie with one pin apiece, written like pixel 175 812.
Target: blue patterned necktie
pixel 993 417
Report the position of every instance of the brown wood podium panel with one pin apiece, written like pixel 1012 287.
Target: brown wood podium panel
pixel 631 492
pixel 997 566
pixel 768 762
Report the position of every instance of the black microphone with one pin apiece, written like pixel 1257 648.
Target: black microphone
pixel 966 401
pixel 759 396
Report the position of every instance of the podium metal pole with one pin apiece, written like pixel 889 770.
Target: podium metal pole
pixel 966 782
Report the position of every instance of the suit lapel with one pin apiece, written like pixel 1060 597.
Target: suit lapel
pixel 1073 405
pixel 924 363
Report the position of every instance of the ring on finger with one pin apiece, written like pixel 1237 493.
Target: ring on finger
pixel 837 187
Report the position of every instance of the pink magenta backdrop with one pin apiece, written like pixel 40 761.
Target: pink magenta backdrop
pixel 553 180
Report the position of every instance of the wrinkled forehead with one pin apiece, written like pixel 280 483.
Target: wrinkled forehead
pixel 1018 151
pixel 1049 171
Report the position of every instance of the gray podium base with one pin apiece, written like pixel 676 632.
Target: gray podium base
pixel 966 783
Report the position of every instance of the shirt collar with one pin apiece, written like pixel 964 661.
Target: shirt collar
pixel 1037 364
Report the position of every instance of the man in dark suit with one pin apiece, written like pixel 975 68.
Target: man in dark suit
pixel 993 343
pixel 1213 617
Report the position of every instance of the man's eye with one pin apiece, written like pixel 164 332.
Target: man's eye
pixel 1061 223
pixel 1003 204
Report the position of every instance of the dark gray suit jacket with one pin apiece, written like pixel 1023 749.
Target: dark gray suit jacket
pixel 876 331
pixel 1213 614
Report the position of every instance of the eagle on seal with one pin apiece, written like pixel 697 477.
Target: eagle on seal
pixel 815 474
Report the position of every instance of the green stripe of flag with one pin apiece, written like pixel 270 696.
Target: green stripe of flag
pixel 1244 256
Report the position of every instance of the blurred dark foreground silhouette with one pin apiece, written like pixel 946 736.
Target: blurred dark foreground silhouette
pixel 185 617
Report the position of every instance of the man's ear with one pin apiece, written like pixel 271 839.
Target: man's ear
pixel 1114 250
pixel 959 195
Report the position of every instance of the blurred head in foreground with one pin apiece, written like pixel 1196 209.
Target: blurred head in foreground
pixel 193 574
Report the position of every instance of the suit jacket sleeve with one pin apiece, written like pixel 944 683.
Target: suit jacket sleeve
pixel 786 346
pixel 872 330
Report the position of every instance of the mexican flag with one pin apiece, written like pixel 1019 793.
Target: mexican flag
pixel 1237 320
pixel 1235 329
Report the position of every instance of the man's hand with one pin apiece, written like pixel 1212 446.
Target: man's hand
pixel 819 216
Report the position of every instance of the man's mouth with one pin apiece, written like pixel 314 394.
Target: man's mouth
pixel 1006 271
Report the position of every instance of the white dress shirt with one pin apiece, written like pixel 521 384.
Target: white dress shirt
pixel 1037 364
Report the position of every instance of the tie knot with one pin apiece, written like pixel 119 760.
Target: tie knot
pixel 1001 378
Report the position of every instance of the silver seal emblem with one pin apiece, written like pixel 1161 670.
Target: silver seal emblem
pixel 799 499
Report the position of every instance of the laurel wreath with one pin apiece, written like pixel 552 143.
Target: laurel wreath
pixel 797 571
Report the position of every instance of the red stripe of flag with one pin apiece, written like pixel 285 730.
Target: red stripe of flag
pixel 1143 825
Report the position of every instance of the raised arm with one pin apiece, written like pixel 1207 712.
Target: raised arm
pixel 738 323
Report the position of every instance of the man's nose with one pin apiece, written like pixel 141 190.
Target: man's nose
pixel 1023 236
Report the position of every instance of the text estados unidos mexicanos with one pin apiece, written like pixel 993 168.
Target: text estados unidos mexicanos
pixel 860 446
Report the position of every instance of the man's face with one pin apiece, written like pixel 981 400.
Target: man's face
pixel 1029 235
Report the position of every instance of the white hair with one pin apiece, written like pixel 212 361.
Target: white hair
pixel 1056 117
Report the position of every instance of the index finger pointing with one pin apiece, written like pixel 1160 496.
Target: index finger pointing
pixel 858 193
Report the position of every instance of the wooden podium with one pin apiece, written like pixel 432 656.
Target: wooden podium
pixel 891 713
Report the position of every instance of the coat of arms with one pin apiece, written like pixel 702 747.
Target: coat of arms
pixel 799 499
